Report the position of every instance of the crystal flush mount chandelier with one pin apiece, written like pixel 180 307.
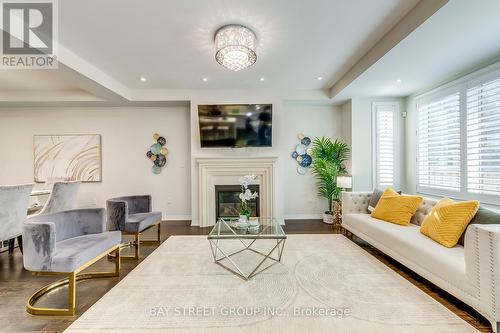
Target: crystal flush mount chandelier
pixel 235 46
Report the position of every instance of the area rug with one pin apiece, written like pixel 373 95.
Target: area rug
pixel 325 283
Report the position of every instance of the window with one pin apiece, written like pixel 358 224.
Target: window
pixel 439 143
pixel 458 144
pixel 483 138
pixel 387 144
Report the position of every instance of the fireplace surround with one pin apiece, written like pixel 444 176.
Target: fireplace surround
pixel 214 171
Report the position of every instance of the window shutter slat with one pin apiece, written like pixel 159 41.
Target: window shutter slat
pixel 439 145
pixel 483 138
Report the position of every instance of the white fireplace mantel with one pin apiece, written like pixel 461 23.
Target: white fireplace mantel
pixel 214 171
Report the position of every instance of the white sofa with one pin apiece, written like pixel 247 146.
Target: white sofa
pixel 471 272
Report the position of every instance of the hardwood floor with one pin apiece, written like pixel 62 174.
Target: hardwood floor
pixel 17 284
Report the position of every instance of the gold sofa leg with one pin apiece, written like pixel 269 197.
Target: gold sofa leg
pixel 70 280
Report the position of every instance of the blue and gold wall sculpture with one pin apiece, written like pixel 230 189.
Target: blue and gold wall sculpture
pixel 158 153
pixel 302 154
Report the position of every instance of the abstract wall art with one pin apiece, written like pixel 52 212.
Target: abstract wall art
pixel 158 153
pixel 73 157
pixel 302 154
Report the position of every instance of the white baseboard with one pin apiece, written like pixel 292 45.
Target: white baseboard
pixel 304 217
pixel 171 217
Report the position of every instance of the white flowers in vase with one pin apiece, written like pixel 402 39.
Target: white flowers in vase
pixel 246 194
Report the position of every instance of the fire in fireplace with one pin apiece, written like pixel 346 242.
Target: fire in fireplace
pixel 228 202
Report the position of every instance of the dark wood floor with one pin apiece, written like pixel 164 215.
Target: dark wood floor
pixel 17 284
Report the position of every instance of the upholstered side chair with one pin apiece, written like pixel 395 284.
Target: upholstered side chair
pixel 133 215
pixel 14 202
pixel 65 243
pixel 62 197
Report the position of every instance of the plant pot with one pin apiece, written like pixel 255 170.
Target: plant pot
pixel 328 218
pixel 337 212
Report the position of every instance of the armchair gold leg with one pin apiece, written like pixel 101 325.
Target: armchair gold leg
pixel 70 280
pixel 158 235
pixel 137 241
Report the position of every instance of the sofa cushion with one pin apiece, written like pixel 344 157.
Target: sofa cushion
pixel 448 220
pixel 422 211
pixel 396 208
pixel 483 216
pixel 73 252
pixel 377 194
pixel 140 221
pixel 407 241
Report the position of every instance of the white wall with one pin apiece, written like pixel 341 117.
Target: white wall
pixel 361 159
pixel 301 200
pixel 410 156
pixel 126 135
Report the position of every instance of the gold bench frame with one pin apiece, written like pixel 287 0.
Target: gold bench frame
pixel 137 241
pixel 71 279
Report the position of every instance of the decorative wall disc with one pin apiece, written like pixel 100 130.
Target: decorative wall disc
pixel 156 169
pixel 300 149
pixel 306 161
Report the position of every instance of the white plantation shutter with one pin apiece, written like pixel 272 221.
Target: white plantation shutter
pixel 439 143
pixel 483 138
pixel 387 144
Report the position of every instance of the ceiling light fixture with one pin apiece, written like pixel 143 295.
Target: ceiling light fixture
pixel 143 79
pixel 398 80
pixel 319 78
pixel 261 79
pixel 235 47
pixel 205 79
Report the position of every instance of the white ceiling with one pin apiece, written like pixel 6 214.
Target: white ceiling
pixel 33 80
pixel 460 36
pixel 170 42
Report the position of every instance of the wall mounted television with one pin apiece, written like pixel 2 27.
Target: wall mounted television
pixel 236 125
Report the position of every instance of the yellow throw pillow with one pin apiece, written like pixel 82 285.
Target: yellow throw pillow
pixel 395 208
pixel 448 220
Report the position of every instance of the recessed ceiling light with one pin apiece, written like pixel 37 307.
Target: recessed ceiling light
pixel 398 80
pixel 143 79
pixel 205 79
pixel 319 78
pixel 261 79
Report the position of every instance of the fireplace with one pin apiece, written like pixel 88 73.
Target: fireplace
pixel 228 203
pixel 227 170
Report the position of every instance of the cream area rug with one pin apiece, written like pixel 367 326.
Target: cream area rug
pixel 325 283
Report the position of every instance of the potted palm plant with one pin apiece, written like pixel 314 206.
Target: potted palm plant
pixel 329 162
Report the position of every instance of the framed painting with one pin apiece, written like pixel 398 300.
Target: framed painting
pixel 71 157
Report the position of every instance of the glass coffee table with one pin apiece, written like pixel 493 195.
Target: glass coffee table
pixel 225 229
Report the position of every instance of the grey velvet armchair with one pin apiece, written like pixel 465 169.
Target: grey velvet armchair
pixel 13 209
pixel 62 197
pixel 65 243
pixel 133 215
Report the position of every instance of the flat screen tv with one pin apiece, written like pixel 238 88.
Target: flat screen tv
pixel 236 125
